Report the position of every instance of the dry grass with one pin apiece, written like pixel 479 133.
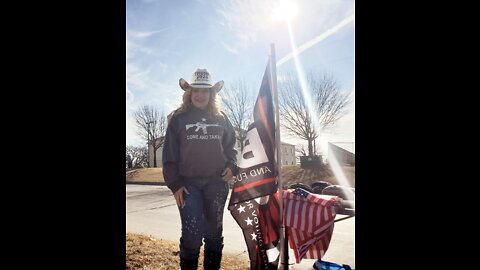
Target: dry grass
pixel 295 174
pixel 290 175
pixel 147 253
pixel 149 175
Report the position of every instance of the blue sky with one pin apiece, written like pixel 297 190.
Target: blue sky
pixel 168 40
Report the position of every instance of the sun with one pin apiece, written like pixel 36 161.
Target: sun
pixel 285 11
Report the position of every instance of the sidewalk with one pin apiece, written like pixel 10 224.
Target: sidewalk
pixel 145 183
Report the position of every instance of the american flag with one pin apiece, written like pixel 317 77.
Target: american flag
pixel 309 218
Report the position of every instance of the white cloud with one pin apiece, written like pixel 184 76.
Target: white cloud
pixel 243 20
pixel 165 100
pixel 134 48
pixel 145 88
pixel 135 41
pixel 150 1
pixel 138 79
pixel 144 34
pixel 230 48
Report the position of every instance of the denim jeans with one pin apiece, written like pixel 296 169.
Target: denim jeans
pixel 202 216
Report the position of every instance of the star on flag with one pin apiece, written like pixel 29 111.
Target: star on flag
pixel 241 209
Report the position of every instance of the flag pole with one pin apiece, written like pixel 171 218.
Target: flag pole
pixel 283 231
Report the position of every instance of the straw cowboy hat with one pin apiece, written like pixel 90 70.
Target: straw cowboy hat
pixel 201 79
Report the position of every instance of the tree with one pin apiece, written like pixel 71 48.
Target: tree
pixel 328 102
pixel 301 150
pixel 139 156
pixel 237 105
pixel 152 127
pixel 129 160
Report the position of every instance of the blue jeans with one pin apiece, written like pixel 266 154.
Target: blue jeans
pixel 202 216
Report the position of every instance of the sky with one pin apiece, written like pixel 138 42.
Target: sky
pixel 168 40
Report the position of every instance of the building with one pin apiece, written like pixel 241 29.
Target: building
pixel 288 153
pixel 343 156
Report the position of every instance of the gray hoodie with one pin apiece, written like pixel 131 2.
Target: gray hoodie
pixel 197 146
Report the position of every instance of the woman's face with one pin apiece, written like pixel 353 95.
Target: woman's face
pixel 200 97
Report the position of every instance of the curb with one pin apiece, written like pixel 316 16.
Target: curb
pixel 146 183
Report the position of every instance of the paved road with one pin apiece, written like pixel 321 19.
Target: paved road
pixel 151 210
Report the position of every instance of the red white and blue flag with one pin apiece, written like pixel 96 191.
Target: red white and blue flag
pixel 309 218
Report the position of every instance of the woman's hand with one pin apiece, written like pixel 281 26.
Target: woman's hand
pixel 179 196
pixel 227 174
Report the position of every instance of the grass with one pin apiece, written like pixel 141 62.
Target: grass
pixel 145 175
pixel 147 253
pixel 295 174
pixel 290 174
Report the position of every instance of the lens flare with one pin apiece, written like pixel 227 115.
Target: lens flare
pixel 285 11
pixel 336 168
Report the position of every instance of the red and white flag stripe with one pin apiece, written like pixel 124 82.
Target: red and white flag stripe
pixel 309 218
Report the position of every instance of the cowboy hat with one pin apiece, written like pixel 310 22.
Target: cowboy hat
pixel 201 79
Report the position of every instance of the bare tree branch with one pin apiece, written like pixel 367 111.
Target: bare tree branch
pixel 237 104
pixel 139 156
pixel 329 102
pixel 152 127
pixel 301 150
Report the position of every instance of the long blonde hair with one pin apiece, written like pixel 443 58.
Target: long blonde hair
pixel 213 106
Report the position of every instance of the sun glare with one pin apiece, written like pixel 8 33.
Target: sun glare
pixel 285 11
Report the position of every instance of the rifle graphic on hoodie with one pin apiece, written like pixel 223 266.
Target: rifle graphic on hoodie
pixel 201 125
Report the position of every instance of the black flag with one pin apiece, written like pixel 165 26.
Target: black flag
pixel 260 222
pixel 254 201
pixel 256 172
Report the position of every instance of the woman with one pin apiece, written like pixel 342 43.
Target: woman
pixel 198 160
